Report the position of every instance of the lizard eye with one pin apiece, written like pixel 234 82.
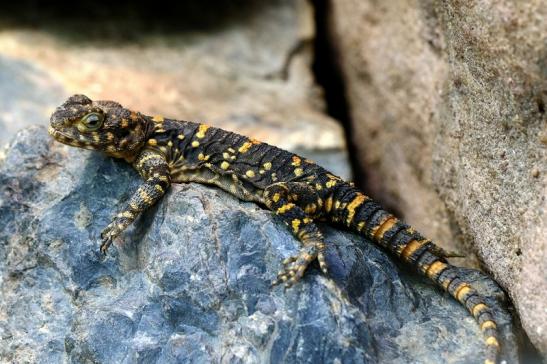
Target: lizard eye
pixel 93 121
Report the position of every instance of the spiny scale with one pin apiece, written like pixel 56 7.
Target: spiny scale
pixel 164 151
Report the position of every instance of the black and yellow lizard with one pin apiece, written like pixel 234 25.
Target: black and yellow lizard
pixel 166 151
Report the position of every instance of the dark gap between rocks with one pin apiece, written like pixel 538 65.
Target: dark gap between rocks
pixel 329 76
pixel 124 20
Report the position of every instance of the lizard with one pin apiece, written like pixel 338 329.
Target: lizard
pixel 165 151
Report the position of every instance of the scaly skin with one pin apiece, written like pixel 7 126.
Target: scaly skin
pixel 164 151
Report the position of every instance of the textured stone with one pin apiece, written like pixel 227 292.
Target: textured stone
pixel 248 74
pixel 190 281
pixel 448 106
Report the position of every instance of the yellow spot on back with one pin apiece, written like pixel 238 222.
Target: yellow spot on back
pixel 295 225
pixel 328 204
pixel 231 150
pixel 159 188
pixel 195 144
pixel 202 129
pixel 330 183
pixel 318 186
pixel 225 155
pixel 158 119
pixel 224 165
pixel 245 147
pixel 298 171
pixel 201 157
pixel 356 202
pixel 267 166
pixel 307 220
pixel 250 173
pixel 360 226
pixel 276 197
pixel 169 143
pixel 310 209
pixel 285 208
pixel 180 136
pixel 152 142
pixel 296 161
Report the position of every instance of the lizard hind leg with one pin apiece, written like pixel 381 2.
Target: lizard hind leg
pixel 285 200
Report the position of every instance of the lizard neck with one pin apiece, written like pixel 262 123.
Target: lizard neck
pixel 148 127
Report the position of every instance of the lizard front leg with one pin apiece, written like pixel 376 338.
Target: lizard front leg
pixel 153 167
pixel 293 201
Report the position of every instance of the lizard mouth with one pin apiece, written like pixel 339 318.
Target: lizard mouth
pixel 68 139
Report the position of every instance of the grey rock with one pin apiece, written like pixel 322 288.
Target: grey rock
pixel 190 281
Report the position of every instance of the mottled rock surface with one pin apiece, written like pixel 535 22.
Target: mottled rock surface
pixel 190 282
pixel 249 71
pixel 448 110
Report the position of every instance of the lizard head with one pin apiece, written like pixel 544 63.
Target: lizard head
pixel 99 125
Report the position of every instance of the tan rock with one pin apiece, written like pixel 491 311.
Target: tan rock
pixel 448 106
pixel 252 76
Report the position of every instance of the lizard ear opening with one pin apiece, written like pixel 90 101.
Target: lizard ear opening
pixel 91 122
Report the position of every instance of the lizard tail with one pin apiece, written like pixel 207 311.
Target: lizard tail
pixel 360 213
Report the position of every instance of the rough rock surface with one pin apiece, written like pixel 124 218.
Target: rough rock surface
pixel 448 106
pixel 190 281
pixel 249 73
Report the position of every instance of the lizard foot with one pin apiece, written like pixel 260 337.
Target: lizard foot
pixel 295 266
pixel 115 228
pixel 107 236
pixel 105 244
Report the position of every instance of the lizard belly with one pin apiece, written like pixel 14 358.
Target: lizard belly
pixel 228 182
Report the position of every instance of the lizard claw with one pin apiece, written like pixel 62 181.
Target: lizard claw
pixel 295 266
pixel 107 236
pixel 105 245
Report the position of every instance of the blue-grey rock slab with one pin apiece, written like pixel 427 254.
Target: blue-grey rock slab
pixel 190 281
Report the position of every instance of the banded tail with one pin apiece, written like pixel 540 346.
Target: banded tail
pixel 360 213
